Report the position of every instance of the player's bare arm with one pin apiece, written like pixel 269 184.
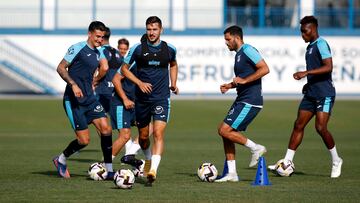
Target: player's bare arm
pixel 120 91
pixel 173 77
pixel 225 87
pixel 326 68
pixel 262 70
pixel 144 87
pixel 103 68
pixel 62 70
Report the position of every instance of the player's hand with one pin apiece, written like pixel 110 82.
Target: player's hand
pixel 129 104
pixel 239 80
pixel 174 89
pixel 145 87
pixel 224 88
pixel 299 75
pixel 77 91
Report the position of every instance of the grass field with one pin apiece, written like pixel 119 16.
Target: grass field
pixel 32 132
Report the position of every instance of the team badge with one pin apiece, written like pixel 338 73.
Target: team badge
pixel 70 51
pixel 99 108
pixel 159 109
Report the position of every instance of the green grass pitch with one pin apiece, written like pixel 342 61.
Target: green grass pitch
pixel 32 132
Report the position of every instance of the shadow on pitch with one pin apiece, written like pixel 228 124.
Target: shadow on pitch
pixel 55 174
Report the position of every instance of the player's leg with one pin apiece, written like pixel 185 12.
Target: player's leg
pixel 322 119
pixel 305 114
pixel 231 174
pixel 239 117
pixel 78 122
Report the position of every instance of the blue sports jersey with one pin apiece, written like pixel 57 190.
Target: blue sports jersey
pixel 318 85
pixel 83 62
pixel 114 60
pixel 128 87
pixel 245 61
pixel 156 75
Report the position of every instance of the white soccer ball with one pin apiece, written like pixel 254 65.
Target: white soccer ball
pixel 284 167
pixel 139 172
pixel 97 171
pixel 207 172
pixel 124 178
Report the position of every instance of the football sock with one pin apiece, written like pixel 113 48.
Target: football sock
pixel 106 146
pixel 128 146
pixel 250 144
pixel 134 148
pixel 155 161
pixel 109 167
pixel 231 166
pixel 147 153
pixel 62 158
pixel 73 147
pixel 290 154
pixel 112 157
pixel 334 155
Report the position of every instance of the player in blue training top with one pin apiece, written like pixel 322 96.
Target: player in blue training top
pixel 105 88
pixel 249 68
pixel 152 57
pixel 319 93
pixel 81 106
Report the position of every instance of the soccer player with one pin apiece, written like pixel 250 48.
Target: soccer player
pixel 81 106
pixel 153 58
pixel 319 94
pixel 249 68
pixel 123 46
pixel 105 88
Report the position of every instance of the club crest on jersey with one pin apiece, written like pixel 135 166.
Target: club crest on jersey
pixel 159 109
pixel 70 51
pixel 231 111
pixel 98 108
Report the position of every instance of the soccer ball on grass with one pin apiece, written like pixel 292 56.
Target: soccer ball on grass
pixel 124 178
pixel 207 172
pixel 97 171
pixel 284 167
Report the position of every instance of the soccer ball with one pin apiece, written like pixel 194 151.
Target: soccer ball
pixel 124 178
pixel 285 167
pixel 207 172
pixel 139 172
pixel 97 171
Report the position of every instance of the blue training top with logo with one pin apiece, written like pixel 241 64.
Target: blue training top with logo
pixel 245 64
pixel 83 62
pixel 128 87
pixel 114 60
pixel 318 85
pixel 154 72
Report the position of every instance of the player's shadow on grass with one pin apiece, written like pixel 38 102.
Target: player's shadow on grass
pixel 55 174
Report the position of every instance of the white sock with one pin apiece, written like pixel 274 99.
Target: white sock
pixel 334 155
pixel 290 154
pixel 134 148
pixel 109 167
pixel 128 146
pixel 62 158
pixel 155 161
pixel 147 153
pixel 112 157
pixel 250 144
pixel 231 166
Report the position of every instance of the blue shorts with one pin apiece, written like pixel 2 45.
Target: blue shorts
pixel 121 117
pixel 105 101
pixel 240 115
pixel 81 116
pixel 157 110
pixel 324 104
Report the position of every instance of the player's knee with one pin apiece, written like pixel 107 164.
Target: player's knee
pixel 321 129
pixel 84 140
pixel 222 131
pixel 106 129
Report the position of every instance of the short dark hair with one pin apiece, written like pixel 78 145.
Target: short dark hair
pixel 123 41
pixel 96 25
pixel 308 20
pixel 153 19
pixel 107 33
pixel 234 30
